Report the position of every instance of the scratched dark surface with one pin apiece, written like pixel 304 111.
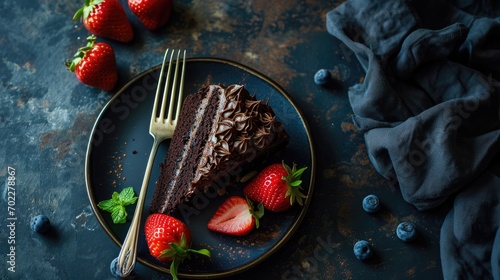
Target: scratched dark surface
pixel 46 117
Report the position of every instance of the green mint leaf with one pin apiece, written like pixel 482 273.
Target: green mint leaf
pixel 133 200
pixel 116 205
pixel 108 205
pixel 119 215
pixel 127 196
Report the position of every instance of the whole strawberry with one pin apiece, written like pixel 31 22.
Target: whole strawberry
pixel 152 13
pixel 106 18
pixel 169 240
pixel 95 65
pixel 277 187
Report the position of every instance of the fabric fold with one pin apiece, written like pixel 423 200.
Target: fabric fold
pixel 430 109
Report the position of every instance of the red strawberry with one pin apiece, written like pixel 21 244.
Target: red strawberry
pixel 236 216
pixel 106 18
pixel 277 187
pixel 152 13
pixel 169 239
pixel 95 65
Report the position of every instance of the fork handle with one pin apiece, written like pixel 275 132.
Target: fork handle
pixel 128 252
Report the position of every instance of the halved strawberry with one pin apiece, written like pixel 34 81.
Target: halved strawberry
pixel 277 187
pixel 236 216
pixel 169 239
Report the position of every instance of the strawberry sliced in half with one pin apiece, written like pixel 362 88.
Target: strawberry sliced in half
pixel 236 216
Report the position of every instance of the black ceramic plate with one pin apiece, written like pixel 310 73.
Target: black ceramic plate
pixel 118 151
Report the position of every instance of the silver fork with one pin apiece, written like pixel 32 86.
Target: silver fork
pixel 161 127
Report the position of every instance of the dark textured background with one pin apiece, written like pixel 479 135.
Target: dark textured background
pixel 46 117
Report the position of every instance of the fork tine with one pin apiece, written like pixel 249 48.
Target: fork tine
pixel 181 87
pixel 158 88
pixel 173 91
pixel 166 89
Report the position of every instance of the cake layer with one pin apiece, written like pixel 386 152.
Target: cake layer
pixel 182 156
pixel 219 130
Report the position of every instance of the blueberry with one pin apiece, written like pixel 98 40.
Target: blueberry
pixel 363 250
pixel 323 77
pixel 40 223
pixel 113 267
pixel 406 231
pixel 371 203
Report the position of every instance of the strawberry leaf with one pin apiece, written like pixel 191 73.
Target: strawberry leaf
pixel 168 253
pixel 294 183
pixel 203 252
pixel 88 7
pixel 78 14
pixel 86 11
pixel 71 65
pixel 256 213
pixel 183 243
pixel 173 269
pixel 178 252
pixel 298 173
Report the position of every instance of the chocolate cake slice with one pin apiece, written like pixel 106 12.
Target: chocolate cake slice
pixel 219 130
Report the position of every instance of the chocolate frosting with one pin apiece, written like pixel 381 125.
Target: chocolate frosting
pixel 244 126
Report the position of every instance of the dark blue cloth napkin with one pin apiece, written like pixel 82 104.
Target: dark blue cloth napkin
pixel 430 109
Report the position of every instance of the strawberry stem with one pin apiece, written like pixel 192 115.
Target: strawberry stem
pixel 71 65
pixel 256 213
pixel 294 183
pixel 88 7
pixel 178 252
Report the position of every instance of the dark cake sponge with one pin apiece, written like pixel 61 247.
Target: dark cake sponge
pixel 187 117
pixel 219 130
